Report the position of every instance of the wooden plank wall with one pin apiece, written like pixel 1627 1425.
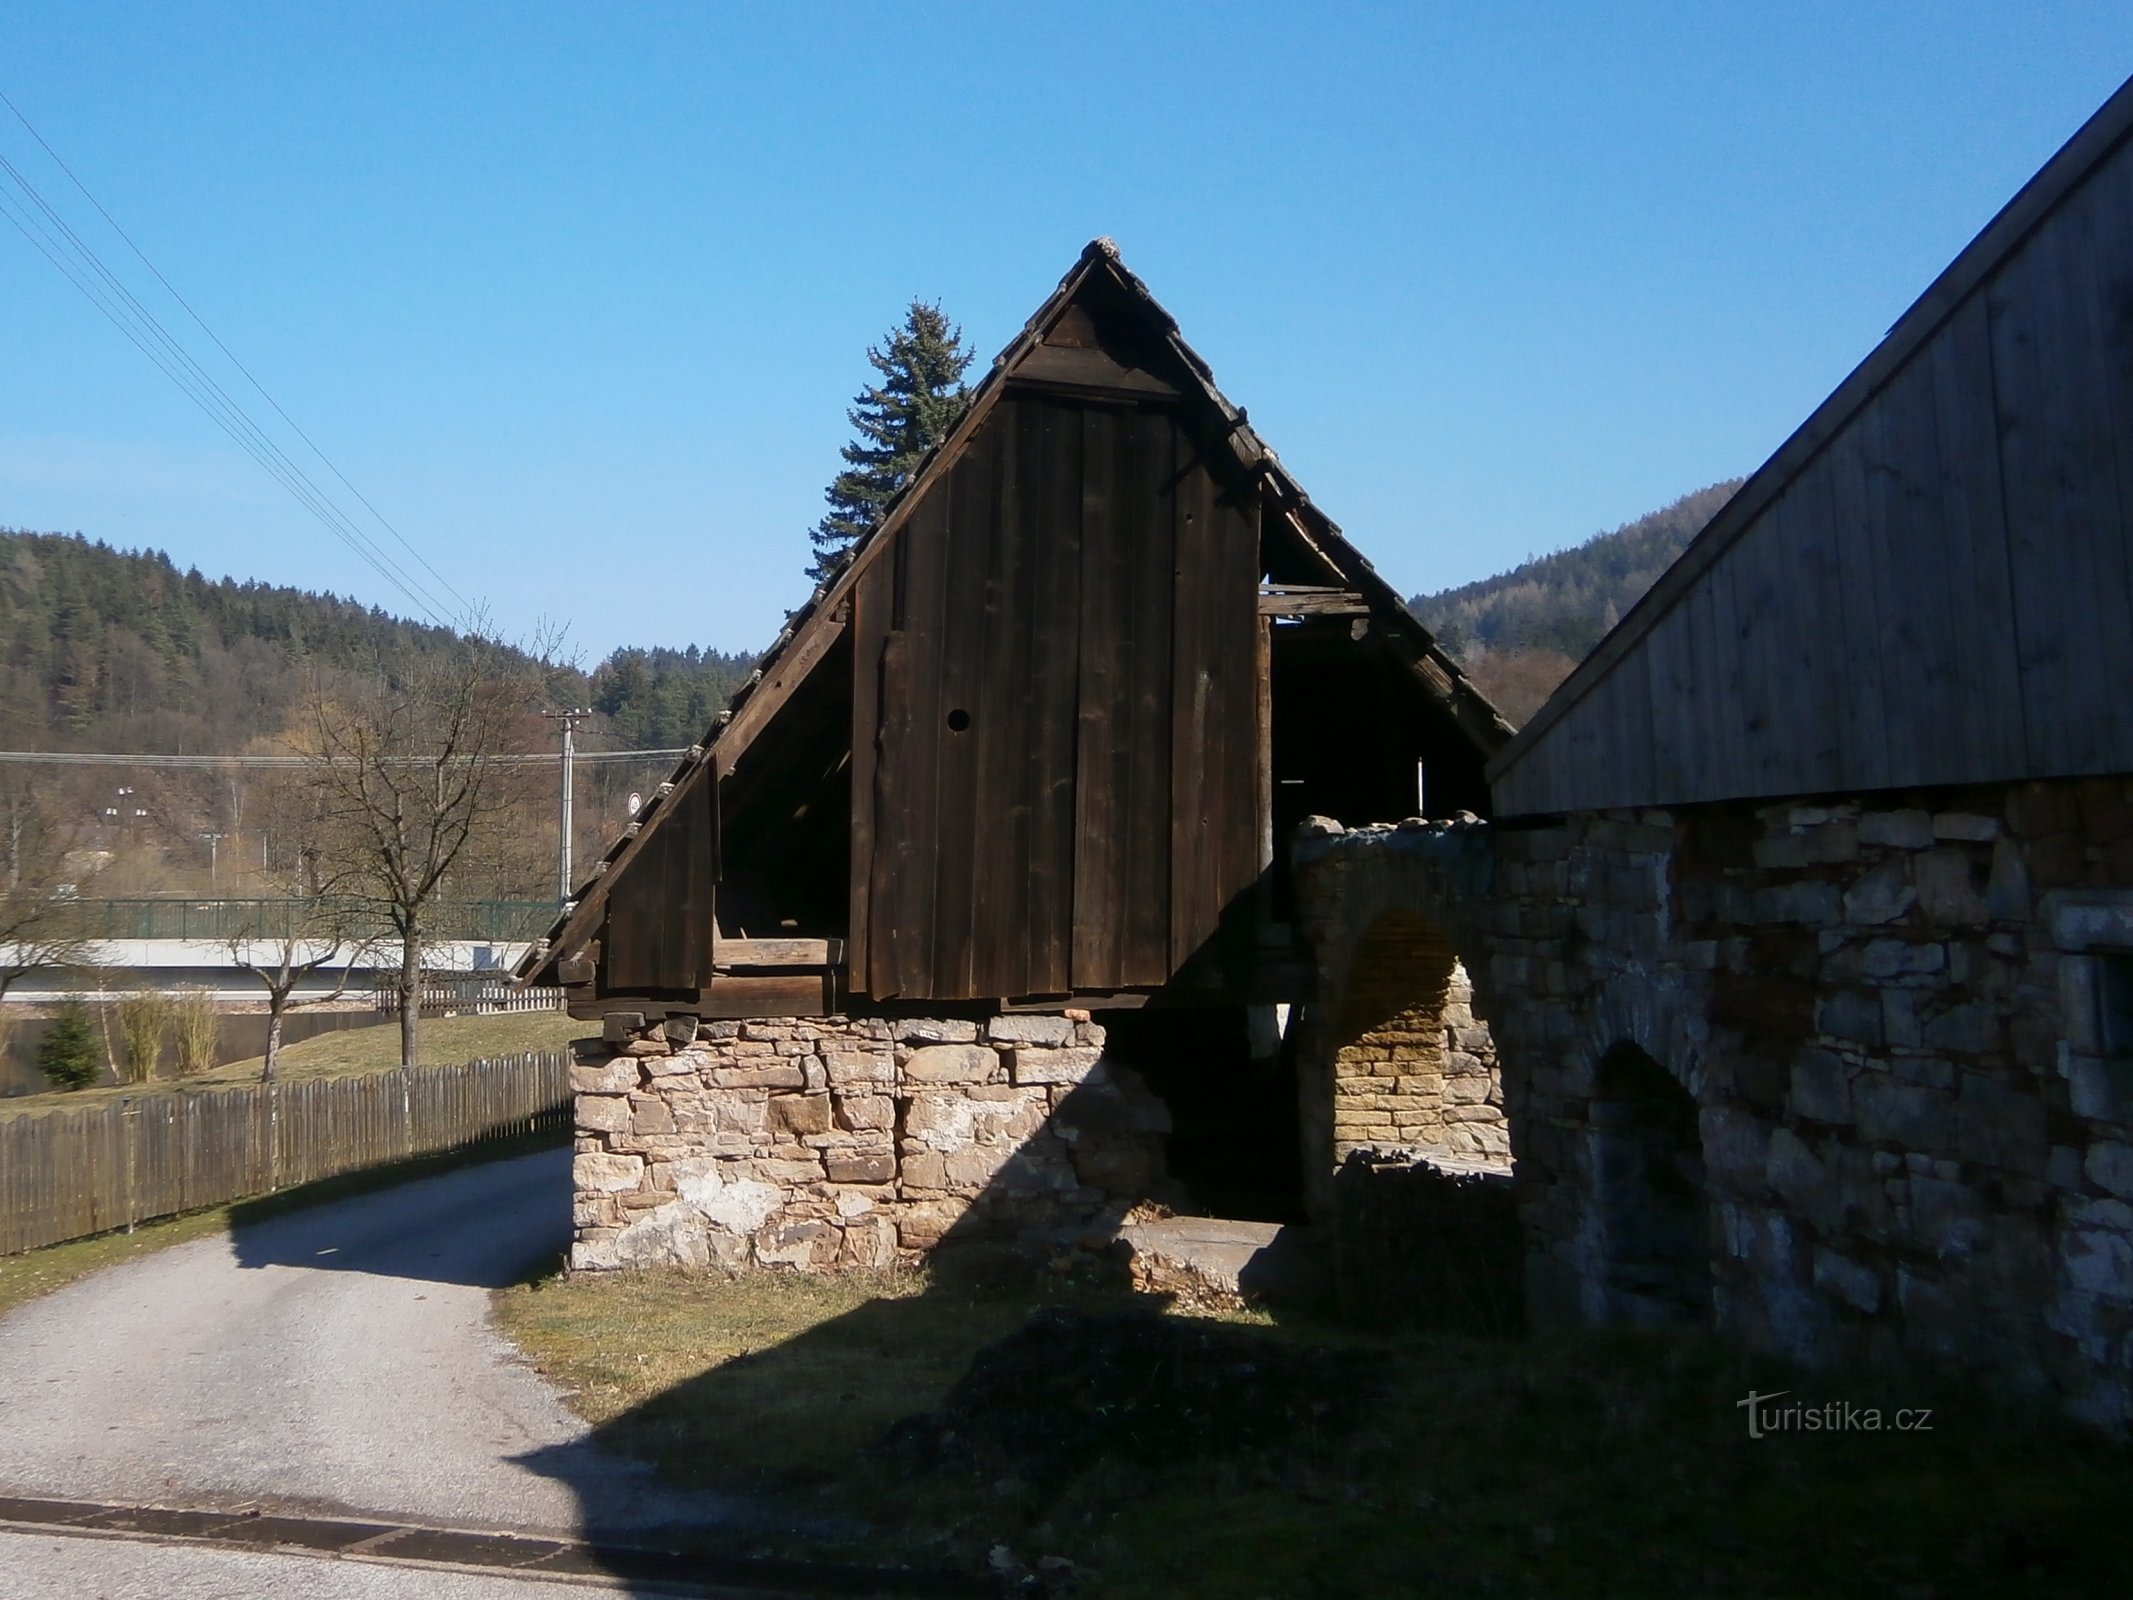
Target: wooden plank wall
pixel 1056 731
pixel 1943 594
pixel 659 913
pixel 72 1172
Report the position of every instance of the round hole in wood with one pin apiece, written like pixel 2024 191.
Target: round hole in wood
pixel 958 720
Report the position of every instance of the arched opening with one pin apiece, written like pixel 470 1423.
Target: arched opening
pixel 1649 1204
pixel 1414 1069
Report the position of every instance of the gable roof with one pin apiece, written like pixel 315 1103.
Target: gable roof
pixel 1564 758
pixel 809 631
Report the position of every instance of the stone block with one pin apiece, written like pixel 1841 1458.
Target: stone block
pixel 803 1246
pixel 1821 1089
pixel 2007 889
pixel 603 1113
pixel 1902 1114
pixel 1853 1282
pixel 1970 1029
pixel 951 1063
pixel 770 1075
pixel 1894 958
pixel 860 1166
pixel 800 1113
pixel 1899 830
pixel 649 1114
pixel 973 1166
pixel 1798 1178
pixel 1947 889
pixel 1850 1015
pixel 599 1172
pixel 863 1112
pixel 2109 1166
pixel 1882 895
pixel 1965 825
pixel 1046 1066
pixel 926 1169
pixel 1030 1028
pixel 615 1075
pixel 936 1030
pixel 848 1068
pixel 940 1120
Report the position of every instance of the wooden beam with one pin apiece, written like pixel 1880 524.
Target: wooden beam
pixel 1083 368
pixel 729 954
pixel 1295 600
pixel 786 675
pixel 730 998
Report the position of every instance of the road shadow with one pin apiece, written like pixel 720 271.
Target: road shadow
pixel 480 1223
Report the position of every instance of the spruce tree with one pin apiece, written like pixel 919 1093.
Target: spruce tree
pixel 919 399
pixel 67 1054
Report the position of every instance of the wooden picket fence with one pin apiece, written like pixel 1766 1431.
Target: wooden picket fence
pixel 69 1173
pixel 465 995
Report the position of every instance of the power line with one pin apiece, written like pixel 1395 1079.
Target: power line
pixel 467 607
pixel 104 290
pixel 102 758
pixel 201 389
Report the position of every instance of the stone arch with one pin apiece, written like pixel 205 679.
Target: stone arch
pixel 1648 1214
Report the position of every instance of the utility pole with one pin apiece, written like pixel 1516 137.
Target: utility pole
pixel 569 721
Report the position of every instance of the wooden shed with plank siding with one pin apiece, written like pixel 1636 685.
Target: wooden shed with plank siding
pixel 1931 582
pixel 1036 741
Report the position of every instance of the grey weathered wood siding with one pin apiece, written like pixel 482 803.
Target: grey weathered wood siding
pixel 1933 586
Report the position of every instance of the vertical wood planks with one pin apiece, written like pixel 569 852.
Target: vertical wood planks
pixel 1051 597
pixel 1214 701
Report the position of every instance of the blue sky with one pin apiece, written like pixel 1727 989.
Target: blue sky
pixel 577 295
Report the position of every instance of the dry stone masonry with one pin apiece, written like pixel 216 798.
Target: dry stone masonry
pixel 852 1142
pixel 1853 1080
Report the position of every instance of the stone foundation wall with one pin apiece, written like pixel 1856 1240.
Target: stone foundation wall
pixel 852 1142
pixel 1415 1069
pixel 1906 1025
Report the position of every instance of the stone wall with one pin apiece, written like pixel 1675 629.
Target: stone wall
pixel 852 1142
pixel 1413 1068
pixel 1903 1030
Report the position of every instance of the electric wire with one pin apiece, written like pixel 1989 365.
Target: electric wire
pixel 467 606
pixel 260 449
pixel 148 334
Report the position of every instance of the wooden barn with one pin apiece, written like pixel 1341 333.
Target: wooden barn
pixel 1037 743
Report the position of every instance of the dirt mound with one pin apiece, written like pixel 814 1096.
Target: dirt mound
pixel 1074 1390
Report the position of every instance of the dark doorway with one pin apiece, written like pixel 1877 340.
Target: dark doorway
pixel 1648 1195
pixel 1233 1146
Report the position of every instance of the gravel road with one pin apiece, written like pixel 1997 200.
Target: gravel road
pixel 337 1359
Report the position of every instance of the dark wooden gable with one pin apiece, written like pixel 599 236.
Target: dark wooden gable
pixel 1056 717
pixel 1038 738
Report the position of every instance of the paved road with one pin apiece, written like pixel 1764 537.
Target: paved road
pixel 337 1359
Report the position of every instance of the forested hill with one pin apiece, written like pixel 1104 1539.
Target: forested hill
pixel 1518 634
pixel 119 650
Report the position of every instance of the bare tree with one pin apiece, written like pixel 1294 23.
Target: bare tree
pixel 40 913
pixel 308 925
pixel 409 788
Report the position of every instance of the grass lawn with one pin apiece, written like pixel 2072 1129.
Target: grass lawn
pixel 1601 1465
pixel 346 1052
